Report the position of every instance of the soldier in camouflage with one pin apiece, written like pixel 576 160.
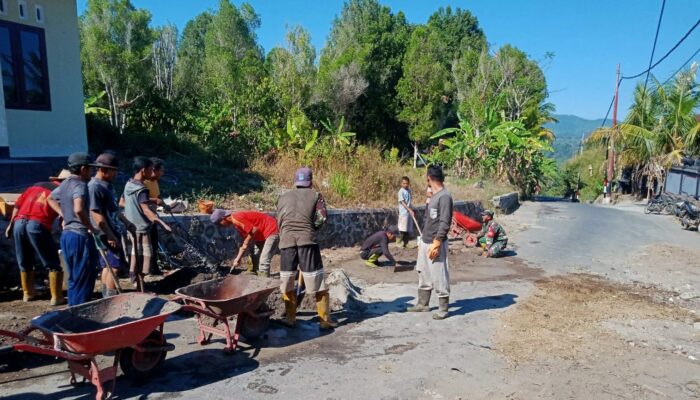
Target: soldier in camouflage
pixel 492 238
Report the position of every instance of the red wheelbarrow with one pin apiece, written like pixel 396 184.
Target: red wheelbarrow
pixel 128 325
pixel 463 225
pixel 220 299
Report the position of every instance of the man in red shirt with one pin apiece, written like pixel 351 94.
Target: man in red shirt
pixel 30 227
pixel 256 227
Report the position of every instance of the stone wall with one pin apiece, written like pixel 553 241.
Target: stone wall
pixel 507 203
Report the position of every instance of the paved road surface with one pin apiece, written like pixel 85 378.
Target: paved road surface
pixel 395 355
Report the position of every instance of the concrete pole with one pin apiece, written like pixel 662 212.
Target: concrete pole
pixel 611 150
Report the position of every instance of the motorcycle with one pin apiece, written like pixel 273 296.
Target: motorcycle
pixel 661 205
pixel 688 215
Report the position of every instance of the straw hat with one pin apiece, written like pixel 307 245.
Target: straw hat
pixel 61 176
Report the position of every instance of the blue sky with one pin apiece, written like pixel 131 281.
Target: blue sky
pixel 588 37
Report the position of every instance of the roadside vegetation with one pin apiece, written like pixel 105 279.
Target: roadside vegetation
pixel 381 98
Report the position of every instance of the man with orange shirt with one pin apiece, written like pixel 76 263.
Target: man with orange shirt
pixel 256 227
pixel 30 226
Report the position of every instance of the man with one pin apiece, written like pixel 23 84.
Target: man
pixel 30 227
pixel 71 199
pixel 102 206
pixel 432 264
pixel 300 212
pixel 492 238
pixel 153 185
pixel 137 211
pixel 406 214
pixel 377 245
pixel 256 228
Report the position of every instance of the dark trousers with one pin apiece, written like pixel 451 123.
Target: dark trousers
pixel 82 260
pixel 34 243
pixel 153 235
pixel 365 254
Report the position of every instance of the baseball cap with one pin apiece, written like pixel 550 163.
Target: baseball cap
pixel 106 160
pixel 218 214
pixel 487 212
pixel 79 159
pixel 63 175
pixel 393 229
pixel 303 176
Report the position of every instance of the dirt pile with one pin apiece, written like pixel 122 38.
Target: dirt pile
pixel 565 318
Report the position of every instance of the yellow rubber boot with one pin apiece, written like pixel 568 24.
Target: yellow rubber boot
pixel 27 279
pixel 323 307
pixel 56 287
pixel 290 308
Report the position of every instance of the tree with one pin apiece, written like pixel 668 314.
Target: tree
pixel 363 58
pixel 292 70
pixel 423 89
pixel 115 52
pixel 165 59
pixel 189 71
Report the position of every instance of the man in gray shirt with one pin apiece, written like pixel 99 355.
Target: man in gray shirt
pixel 72 202
pixel 432 264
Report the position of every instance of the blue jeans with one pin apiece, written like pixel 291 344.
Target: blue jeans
pixel 82 260
pixel 34 243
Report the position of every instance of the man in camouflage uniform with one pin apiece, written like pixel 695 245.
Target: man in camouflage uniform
pixel 492 238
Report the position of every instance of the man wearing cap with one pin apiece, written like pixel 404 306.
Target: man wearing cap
pixel 77 243
pixel 30 227
pixel 103 205
pixel 377 245
pixel 254 227
pixel 300 213
pixel 432 264
pixel 492 238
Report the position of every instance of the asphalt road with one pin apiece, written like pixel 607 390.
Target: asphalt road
pixel 395 355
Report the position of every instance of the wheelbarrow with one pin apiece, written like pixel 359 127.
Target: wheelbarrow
pixel 220 299
pixel 463 225
pixel 129 326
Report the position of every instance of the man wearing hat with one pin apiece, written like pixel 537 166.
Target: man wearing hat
pixel 77 243
pixel 377 245
pixel 30 227
pixel 300 212
pixel 255 227
pixel 492 238
pixel 103 205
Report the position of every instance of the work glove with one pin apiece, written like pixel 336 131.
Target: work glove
pixel 167 208
pixel 434 249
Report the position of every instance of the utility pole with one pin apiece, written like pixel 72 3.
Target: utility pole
pixel 611 150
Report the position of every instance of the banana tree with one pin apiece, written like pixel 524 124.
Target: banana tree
pixel 338 136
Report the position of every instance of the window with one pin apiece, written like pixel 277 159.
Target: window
pixel 39 13
pixel 22 6
pixel 25 75
pixel 689 185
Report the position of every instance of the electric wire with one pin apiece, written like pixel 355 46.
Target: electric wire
pixel 653 48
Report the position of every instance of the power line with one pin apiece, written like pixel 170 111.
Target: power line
pixel 653 48
pixel 681 67
pixel 608 113
pixel 665 55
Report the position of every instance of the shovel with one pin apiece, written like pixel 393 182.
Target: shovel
pixel 102 249
pixel 413 215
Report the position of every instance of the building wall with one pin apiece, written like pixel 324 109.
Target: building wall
pixel 60 131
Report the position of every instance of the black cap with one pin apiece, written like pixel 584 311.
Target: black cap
pixel 393 229
pixel 106 160
pixel 79 159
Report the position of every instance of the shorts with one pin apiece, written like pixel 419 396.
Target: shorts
pixel 405 223
pixel 308 260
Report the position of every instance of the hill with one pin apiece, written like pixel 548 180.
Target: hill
pixel 568 132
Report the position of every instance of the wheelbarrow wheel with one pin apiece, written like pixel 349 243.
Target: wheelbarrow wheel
pixel 138 364
pixel 252 327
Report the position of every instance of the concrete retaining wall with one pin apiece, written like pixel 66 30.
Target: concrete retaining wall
pixel 507 203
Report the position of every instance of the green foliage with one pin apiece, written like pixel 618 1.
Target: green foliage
pixel 337 135
pixel 292 70
pixel 90 105
pixel 341 185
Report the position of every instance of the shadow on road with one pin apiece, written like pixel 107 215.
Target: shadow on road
pixel 181 373
pixel 466 306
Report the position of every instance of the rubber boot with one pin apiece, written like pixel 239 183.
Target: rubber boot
pixel 28 290
pixel 264 274
pixel 290 309
pixel 372 261
pixel 323 307
pixel 251 267
pixel 422 304
pixel 56 288
pixel 442 312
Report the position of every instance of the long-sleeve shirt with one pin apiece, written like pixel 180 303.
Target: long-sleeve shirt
pixel 376 241
pixel 438 217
